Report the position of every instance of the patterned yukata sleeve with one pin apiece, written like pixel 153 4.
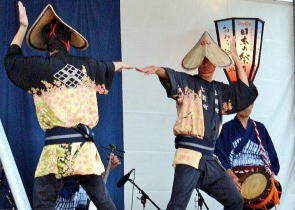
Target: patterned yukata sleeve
pixel 22 70
pixel 175 82
pixel 102 72
pixel 237 96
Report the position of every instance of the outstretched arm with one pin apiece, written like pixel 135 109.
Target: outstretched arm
pixel 240 71
pixel 23 25
pixel 154 70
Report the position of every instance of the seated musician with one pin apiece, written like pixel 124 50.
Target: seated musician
pixel 239 150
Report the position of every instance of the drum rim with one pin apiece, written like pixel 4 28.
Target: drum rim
pixel 257 200
pixel 264 193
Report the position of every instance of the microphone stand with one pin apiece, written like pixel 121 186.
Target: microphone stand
pixel 9 196
pixel 112 153
pixel 201 200
pixel 144 196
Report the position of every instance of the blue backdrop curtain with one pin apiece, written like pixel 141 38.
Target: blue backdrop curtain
pixel 99 22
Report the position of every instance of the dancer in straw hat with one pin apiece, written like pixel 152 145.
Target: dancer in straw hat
pixel 200 103
pixel 64 89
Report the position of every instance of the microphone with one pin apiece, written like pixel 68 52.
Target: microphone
pixel 113 147
pixel 124 179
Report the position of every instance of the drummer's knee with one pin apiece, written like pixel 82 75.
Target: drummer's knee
pixel 236 202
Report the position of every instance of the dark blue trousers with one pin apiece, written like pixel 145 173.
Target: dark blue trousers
pixel 211 178
pixel 46 189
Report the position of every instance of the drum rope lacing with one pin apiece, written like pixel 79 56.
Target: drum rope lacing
pixel 262 150
pixel 264 157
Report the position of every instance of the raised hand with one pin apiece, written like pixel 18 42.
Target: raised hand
pixel 119 66
pixel 23 19
pixel 239 68
pixel 233 49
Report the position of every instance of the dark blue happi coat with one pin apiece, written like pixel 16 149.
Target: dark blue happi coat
pixel 204 103
pixel 237 146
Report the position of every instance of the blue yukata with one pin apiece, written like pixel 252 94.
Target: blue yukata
pixel 237 146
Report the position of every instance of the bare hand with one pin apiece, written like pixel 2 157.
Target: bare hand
pixel 148 70
pixel 119 66
pixel 237 182
pixel 233 49
pixel 23 19
pixel 234 178
pixel 115 161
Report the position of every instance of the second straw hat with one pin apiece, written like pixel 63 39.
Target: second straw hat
pixel 36 40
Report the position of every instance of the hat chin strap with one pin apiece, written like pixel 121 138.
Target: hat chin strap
pixel 52 33
pixel 66 44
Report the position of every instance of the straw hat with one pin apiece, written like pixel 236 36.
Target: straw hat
pixel 35 39
pixel 205 47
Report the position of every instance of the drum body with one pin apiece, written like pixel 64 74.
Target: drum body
pixel 260 190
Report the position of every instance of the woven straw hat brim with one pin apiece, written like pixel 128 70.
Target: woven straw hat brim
pixel 35 39
pixel 210 49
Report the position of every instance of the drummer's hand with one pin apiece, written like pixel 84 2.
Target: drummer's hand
pixel 234 178
pixel 115 161
pixel 237 183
